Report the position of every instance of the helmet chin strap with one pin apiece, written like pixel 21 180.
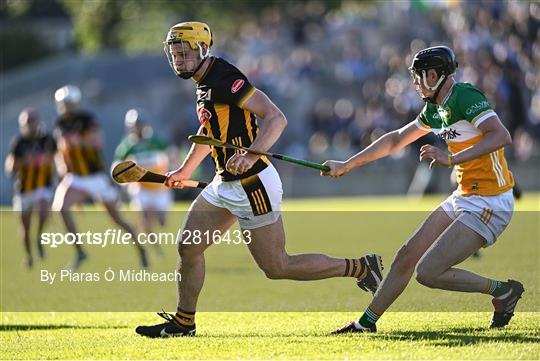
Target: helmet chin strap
pixel 189 74
pixel 436 88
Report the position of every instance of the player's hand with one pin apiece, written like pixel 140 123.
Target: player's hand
pixel 436 155
pixel 175 178
pixel 240 163
pixel 337 168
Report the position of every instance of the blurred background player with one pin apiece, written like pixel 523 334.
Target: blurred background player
pixel 148 150
pixel 80 143
pixel 31 163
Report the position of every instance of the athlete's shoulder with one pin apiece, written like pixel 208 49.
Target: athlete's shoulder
pixel 126 141
pixel 429 116
pixel 16 143
pixel 124 148
pixel 221 71
pixel 85 114
pixel 158 142
pixel 466 89
pixel 470 102
pixel 47 141
pixel 225 66
pixel 227 84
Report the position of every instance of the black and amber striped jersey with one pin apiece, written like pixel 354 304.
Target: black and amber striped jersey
pixel 221 93
pixel 34 157
pixel 80 157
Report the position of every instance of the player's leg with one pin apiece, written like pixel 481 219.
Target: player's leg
pixel 100 189
pixel 436 269
pixel 256 201
pixel 66 196
pixel 43 209
pixel 26 222
pixel 401 271
pixel 114 213
pixel 141 202
pixel 267 246
pixel 149 216
pixel 202 216
pixel 162 204
pixel 146 219
pixel 22 205
pixel 161 217
pixel 457 243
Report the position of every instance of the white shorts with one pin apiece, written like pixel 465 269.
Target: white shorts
pixel 23 202
pixel 97 186
pixel 255 200
pixel 155 200
pixel 486 215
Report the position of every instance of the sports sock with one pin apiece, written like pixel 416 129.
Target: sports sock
pixel 497 288
pixel 368 319
pixel 356 268
pixel 185 318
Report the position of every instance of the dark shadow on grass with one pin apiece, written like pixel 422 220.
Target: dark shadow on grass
pixel 15 327
pixel 460 336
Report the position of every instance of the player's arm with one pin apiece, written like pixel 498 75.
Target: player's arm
pixel 387 144
pixel 271 125
pixel 61 146
pixel 272 120
pixel 495 136
pixel 13 161
pixel 195 156
pixel 10 165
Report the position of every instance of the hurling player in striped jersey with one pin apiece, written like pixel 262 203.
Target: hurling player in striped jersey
pixel 31 163
pixel 247 188
pixel 473 216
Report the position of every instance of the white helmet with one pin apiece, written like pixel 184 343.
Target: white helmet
pixel 68 94
pixel 134 117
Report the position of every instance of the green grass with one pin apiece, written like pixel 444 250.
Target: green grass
pixel 289 324
pixel 282 336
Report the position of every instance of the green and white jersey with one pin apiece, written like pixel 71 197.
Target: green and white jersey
pixel 150 153
pixel 456 121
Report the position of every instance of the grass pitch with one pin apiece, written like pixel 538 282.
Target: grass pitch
pixel 284 334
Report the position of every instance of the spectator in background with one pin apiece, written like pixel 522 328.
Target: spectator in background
pixel 499 42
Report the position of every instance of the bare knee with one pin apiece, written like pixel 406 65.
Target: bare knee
pixel 274 270
pixel 424 275
pixel 185 253
pixel 190 253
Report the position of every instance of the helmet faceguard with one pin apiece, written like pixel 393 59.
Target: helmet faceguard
pixel 184 36
pixel 439 58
